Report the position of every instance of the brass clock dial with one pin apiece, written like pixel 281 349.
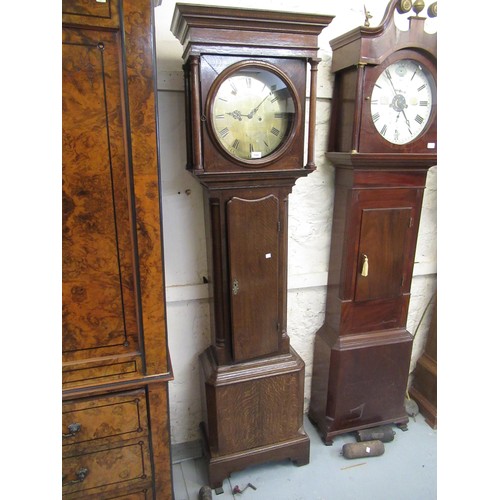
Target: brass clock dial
pixel 402 101
pixel 253 113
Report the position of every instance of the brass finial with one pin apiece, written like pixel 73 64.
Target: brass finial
pixel 404 6
pixel 368 16
pixel 432 11
pixel 418 6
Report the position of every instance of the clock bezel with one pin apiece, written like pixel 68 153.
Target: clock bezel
pixel 293 127
pixel 371 140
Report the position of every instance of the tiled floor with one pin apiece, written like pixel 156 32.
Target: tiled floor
pixel 406 471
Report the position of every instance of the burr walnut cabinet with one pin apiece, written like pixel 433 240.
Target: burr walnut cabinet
pixel 382 142
pixel 115 424
pixel 246 78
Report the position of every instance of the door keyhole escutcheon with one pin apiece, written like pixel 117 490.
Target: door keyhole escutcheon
pixel 236 286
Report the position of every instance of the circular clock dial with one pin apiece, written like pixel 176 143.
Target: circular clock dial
pixel 401 101
pixel 252 113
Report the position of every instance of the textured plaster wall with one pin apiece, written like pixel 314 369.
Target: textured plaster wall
pixel 310 218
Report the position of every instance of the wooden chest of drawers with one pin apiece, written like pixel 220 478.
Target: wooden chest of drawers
pixel 116 368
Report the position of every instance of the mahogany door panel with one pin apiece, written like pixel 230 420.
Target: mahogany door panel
pixel 253 247
pixel 381 253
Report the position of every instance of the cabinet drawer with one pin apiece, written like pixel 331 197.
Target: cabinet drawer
pixel 90 12
pixel 113 417
pixel 105 469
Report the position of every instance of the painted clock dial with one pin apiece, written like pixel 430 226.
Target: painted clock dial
pixel 402 101
pixel 253 113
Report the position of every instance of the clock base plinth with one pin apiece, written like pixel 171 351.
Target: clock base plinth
pixel 359 381
pixel 254 413
pixel 220 467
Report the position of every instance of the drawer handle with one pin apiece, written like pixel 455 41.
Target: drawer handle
pixel 73 429
pixel 81 474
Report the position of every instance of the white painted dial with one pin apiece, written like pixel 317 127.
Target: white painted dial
pixel 401 101
pixel 252 114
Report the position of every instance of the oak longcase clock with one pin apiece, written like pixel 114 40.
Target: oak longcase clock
pixel 382 142
pixel 245 79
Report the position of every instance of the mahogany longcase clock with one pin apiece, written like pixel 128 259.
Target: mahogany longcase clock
pixel 382 142
pixel 246 78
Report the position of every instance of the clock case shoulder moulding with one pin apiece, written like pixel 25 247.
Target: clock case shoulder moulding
pixel 362 352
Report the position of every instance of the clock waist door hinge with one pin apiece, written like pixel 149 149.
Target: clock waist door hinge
pixel 410 223
pixel 279 226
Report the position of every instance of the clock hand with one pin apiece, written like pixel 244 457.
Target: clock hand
pixel 254 110
pixel 236 114
pixel 407 121
pixel 389 77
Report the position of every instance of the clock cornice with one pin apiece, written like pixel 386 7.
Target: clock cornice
pixel 203 29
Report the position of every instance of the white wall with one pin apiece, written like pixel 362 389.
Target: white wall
pixel 310 217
